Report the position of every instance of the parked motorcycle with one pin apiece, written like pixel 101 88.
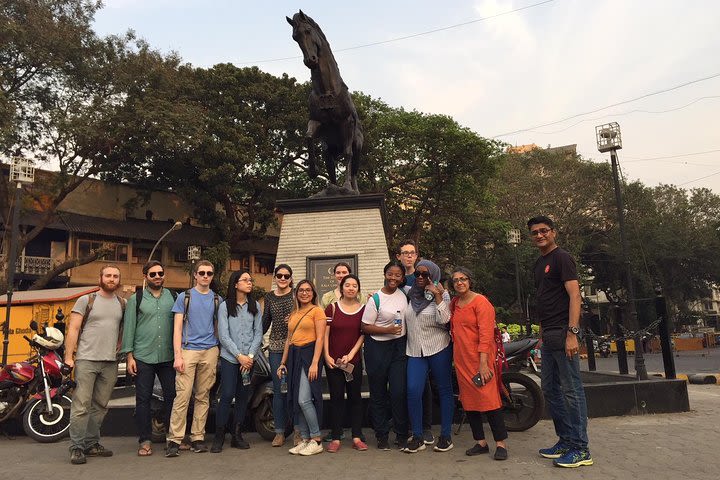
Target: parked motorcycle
pixel 604 347
pixel 36 390
pixel 259 410
pixel 523 403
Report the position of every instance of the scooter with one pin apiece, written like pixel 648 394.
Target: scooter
pixel 259 409
pixel 36 390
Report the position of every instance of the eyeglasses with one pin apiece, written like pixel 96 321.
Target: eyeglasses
pixel 156 274
pixel 246 280
pixel 460 280
pixel 539 231
pixel 407 253
pixel 205 273
pixel 304 290
pixel 424 274
pixel 283 276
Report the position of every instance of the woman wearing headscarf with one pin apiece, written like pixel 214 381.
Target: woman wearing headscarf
pixel 428 349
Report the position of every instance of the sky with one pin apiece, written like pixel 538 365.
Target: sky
pixel 521 71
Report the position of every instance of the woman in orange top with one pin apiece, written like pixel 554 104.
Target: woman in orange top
pixel 303 350
pixel 473 331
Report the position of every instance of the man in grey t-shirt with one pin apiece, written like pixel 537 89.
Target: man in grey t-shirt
pixel 94 359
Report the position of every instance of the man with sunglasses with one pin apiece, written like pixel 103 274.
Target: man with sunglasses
pixel 558 309
pixel 148 342
pixel 195 347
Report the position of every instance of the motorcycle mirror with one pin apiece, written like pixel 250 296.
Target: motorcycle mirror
pixel 34 325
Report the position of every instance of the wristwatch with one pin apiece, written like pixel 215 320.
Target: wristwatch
pixel 575 330
pixel 251 355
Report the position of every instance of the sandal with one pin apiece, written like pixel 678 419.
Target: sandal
pixel 145 449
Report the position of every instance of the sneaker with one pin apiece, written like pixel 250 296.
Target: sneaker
pixel 402 443
pixel 556 451
pixel 198 446
pixel 98 450
pixel 333 446
pixel 574 458
pixel 237 441
pixel 383 444
pixel 311 448
pixel 296 449
pixel 77 456
pixel 477 450
pixel 444 444
pixel 501 453
pixel 428 437
pixel 359 445
pixel 172 450
pixel 415 444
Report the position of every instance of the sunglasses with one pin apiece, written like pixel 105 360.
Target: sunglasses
pixel 424 274
pixel 460 280
pixel 283 276
pixel 205 273
pixel 539 231
pixel 156 274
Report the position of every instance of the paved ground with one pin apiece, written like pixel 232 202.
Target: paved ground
pixel 701 361
pixel 652 447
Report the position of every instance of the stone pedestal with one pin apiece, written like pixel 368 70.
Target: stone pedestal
pixel 319 232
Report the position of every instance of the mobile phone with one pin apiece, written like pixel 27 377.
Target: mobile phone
pixel 478 380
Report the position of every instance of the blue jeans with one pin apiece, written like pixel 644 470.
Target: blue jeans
pixel 308 424
pixel 231 386
pixel 279 399
pixel 440 367
pixel 144 382
pixel 565 395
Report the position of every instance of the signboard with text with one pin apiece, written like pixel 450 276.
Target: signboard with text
pixel 320 271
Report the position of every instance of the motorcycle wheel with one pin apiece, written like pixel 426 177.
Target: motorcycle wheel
pixel 264 420
pixel 47 427
pixel 526 404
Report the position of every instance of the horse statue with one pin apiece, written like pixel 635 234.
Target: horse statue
pixel 333 117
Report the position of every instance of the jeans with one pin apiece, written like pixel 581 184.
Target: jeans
pixel 144 382
pixel 565 396
pixel 95 381
pixel 496 420
pixel 231 386
pixel 279 399
pixel 338 386
pixel 440 366
pixel 386 364
pixel 427 405
pixel 308 424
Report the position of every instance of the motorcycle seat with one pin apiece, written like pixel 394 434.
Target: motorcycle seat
pixel 512 348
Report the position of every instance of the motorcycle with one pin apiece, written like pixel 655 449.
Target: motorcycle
pixel 259 409
pixel 36 390
pixel 523 401
pixel 604 347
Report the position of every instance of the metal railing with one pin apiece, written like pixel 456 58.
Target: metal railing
pixel 31 265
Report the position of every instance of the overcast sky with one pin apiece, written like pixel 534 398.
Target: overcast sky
pixel 515 71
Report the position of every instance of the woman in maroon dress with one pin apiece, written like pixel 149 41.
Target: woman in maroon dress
pixel 473 331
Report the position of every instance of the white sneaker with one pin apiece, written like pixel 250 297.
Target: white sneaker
pixel 296 449
pixel 311 448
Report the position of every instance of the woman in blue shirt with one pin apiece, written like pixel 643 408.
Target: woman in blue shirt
pixel 240 332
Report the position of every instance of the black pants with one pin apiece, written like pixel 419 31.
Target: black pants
pixel 338 387
pixel 144 381
pixel 495 419
pixel 386 365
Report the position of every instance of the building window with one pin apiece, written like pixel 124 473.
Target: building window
pixel 141 253
pixel 119 251
pixel 239 262
pixel 264 264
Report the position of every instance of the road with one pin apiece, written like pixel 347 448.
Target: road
pixel 652 447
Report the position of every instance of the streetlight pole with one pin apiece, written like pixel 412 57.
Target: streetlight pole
pixel 194 252
pixel 21 171
pixel 176 226
pixel 514 237
pixel 609 139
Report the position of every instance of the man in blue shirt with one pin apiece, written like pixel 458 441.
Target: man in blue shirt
pixel 195 346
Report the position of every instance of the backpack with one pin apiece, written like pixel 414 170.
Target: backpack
pixel 139 297
pixel 216 301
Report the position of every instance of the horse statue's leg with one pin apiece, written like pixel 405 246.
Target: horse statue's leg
pixel 330 155
pixel 354 167
pixel 349 131
pixel 312 130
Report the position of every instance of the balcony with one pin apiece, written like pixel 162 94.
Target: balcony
pixel 31 265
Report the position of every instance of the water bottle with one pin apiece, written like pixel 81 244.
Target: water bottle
pixel 283 383
pixel 429 295
pixel 398 319
pixel 245 378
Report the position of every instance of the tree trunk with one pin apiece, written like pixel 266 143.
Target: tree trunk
pixel 41 282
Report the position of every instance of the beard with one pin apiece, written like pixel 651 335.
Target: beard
pixel 108 288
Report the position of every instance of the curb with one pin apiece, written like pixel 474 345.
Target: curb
pixel 695 378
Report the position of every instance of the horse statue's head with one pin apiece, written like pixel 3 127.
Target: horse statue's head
pixel 308 35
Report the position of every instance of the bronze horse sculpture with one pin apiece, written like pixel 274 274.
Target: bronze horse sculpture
pixel 333 117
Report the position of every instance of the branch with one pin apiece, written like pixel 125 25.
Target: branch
pixel 41 282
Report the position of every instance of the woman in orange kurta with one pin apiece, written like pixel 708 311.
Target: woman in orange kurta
pixel 473 332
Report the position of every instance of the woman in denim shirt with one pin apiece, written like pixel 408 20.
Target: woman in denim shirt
pixel 240 332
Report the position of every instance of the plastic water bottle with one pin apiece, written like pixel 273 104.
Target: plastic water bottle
pixel 398 319
pixel 245 378
pixel 429 295
pixel 283 383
